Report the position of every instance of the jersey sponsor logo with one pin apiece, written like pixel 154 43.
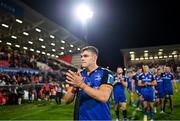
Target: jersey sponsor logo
pixel 98 77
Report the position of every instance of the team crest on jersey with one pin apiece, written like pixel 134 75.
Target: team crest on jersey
pixel 143 76
pixel 98 77
pixel 150 76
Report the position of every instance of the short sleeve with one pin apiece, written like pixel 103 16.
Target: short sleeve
pixel 107 78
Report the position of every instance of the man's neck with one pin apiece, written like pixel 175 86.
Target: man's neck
pixel 92 68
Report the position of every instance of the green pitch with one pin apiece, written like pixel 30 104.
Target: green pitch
pixel 51 111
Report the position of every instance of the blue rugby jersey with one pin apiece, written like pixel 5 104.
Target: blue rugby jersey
pixel 159 87
pixel 167 80
pixel 89 108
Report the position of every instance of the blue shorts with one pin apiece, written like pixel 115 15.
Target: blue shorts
pixel 119 97
pixel 148 95
pixel 168 91
pixel 160 95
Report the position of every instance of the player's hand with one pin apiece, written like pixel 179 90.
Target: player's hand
pixel 75 79
pixel 176 90
pixel 116 81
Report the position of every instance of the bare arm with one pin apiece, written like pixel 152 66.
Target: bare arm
pixel 69 96
pixel 174 85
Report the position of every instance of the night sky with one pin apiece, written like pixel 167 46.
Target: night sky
pixel 117 24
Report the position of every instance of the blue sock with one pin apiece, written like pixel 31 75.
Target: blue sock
pixel 151 114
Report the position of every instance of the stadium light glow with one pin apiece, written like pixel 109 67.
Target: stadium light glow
pixel 159 53
pixel 170 56
pixel 25 48
pixel 146 51
pixel 48 54
pixel 51 36
pixel 84 12
pixel 160 56
pixel 132 59
pixel 71 45
pixel 70 51
pixel 62 41
pixel 57 56
pixel 62 48
pixel 165 56
pixel 146 58
pixel 174 52
pixel 43 46
pixel 5 25
pixel 52 44
pixel 19 21
pixel 8 43
pixel 30 42
pixel 17 46
pixel 38 30
pixel 145 54
pixel 137 58
pixel 132 52
pixel 43 53
pixel 78 49
pixel 141 58
pixel 0 41
pixel 41 39
pixel 32 50
pixel 62 53
pixel 175 56
pixel 160 50
pixel 37 51
pixel 14 37
pixel 25 33
pixel 155 57
pixel 52 55
pixel 53 50
pixel 151 57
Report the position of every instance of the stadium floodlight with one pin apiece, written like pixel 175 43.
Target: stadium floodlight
pixel 25 48
pixel 137 58
pixel 132 52
pixel 0 41
pixel 30 42
pixel 175 56
pixel 145 51
pixel 57 56
pixel 52 44
pixel 62 41
pixel 62 53
pixel 159 53
pixel 52 36
pixel 37 51
pixel 141 58
pixel 48 54
pixel 43 46
pixel 151 57
pixel 5 25
pixel 19 21
pixel 160 56
pixel 38 30
pixel 155 57
pixel 174 52
pixel 84 12
pixel 32 50
pixel 160 50
pixel 78 49
pixel 170 56
pixel 71 45
pixel 145 54
pixel 132 59
pixel 41 39
pixel 14 37
pixel 70 51
pixel 8 43
pixel 17 46
pixel 52 55
pixel 62 48
pixel 25 33
pixel 43 53
pixel 53 50
pixel 165 56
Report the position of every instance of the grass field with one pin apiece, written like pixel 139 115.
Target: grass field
pixel 51 111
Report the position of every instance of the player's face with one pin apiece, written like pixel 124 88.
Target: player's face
pixel 139 71
pixel 87 59
pixel 119 72
pixel 167 69
pixel 146 69
pixel 158 72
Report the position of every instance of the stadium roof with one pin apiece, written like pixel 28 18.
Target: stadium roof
pixel 156 52
pixel 22 27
